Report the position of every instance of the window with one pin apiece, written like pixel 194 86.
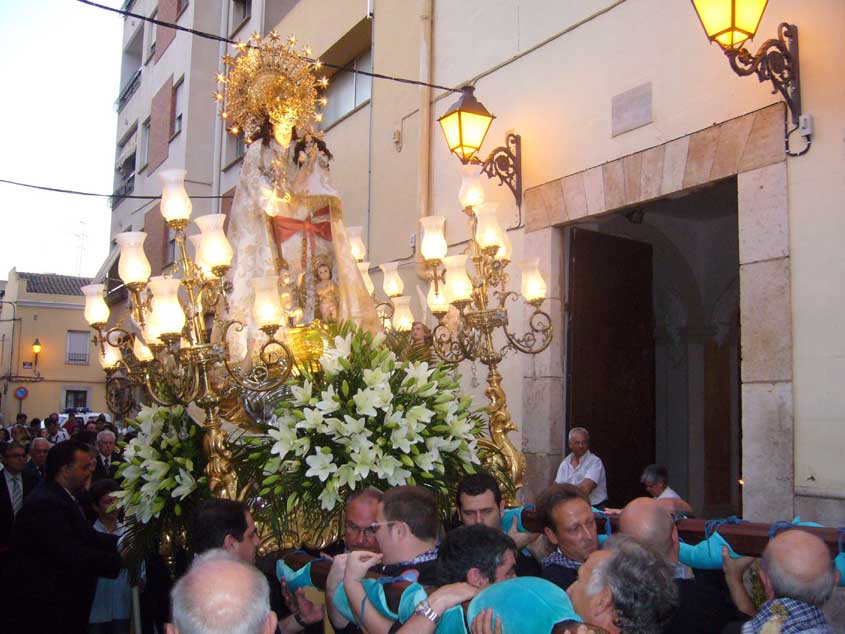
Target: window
pixel 178 107
pixel 348 90
pixel 235 148
pixel 241 12
pixel 145 144
pixel 77 347
pixel 76 398
pixel 151 35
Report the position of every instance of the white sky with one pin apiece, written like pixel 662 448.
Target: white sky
pixel 60 74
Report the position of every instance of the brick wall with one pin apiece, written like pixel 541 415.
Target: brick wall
pixel 155 245
pixel 161 122
pixel 168 10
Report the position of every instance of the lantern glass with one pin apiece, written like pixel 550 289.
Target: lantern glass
pixel 214 249
pixel 267 305
pixel 403 318
pixel 167 312
pixel 458 284
pixel 133 266
pixel 433 243
pixel 504 254
pixel 437 302
pixel 730 22
pixel 175 202
pixel 488 231
pixel 533 284
pixel 141 351
pixel 392 283
pixel 471 193
pixel 206 270
pixel 36 347
pixel 364 267
pixel 465 125
pixel 96 309
pixel 356 243
pixel 109 357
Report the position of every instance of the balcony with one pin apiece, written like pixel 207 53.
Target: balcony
pixel 128 90
pixel 123 190
pixel 77 358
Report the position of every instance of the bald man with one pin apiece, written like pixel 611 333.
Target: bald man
pixel 704 608
pixel 221 594
pixel 798 575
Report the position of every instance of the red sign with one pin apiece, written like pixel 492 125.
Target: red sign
pixel 21 393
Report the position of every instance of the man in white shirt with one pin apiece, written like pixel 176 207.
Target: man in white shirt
pixel 55 434
pixel 655 479
pixel 583 468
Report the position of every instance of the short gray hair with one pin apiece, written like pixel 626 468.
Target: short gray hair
pixel 245 601
pixel 641 583
pixel 578 430
pixel 105 433
pixel 784 584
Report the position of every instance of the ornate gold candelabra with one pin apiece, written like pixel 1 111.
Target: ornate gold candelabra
pixel 472 309
pixel 172 355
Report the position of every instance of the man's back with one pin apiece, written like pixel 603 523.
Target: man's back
pixel 703 609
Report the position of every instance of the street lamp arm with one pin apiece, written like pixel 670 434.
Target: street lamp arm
pixel 539 334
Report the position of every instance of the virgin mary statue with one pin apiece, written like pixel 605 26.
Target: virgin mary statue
pixel 298 236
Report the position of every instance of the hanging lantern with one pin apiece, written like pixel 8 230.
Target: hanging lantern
pixel 267 305
pixel 392 283
pixel 533 284
pixel 175 202
pixel 465 125
pixel 488 231
pixel 730 23
pixel 167 312
pixel 436 300
pixel 214 251
pixel 433 243
pixel 458 284
pixel 403 318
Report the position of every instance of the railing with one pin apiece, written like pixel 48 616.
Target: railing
pixel 77 358
pixel 122 191
pixel 128 90
pixel 127 4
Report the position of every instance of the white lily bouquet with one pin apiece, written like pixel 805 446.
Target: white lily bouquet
pixel 162 479
pixel 364 419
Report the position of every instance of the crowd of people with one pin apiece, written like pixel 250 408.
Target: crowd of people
pixel 62 567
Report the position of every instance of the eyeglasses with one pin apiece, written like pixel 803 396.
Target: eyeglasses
pixel 369 531
pixel 377 525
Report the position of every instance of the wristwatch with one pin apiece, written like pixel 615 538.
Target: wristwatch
pixel 424 609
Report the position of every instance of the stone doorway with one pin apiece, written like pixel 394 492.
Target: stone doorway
pixel 749 149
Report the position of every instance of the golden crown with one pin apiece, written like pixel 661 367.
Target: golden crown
pixel 268 84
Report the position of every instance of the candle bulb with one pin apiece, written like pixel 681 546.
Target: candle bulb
pixel 471 193
pixel 267 305
pixel 175 203
pixel 356 243
pixel 214 251
pixel 96 309
pixel 458 284
pixel 403 318
pixel 133 267
pixel 488 232
pixel 167 312
pixel 533 285
pixel 433 243
pixel 392 283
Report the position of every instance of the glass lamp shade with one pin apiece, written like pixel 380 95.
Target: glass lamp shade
pixel 504 254
pixel 36 346
pixel 458 284
pixel 96 309
pixel 152 331
pixel 356 243
pixel 403 318
pixel 141 351
pixel 110 357
pixel 206 270
pixel 488 231
pixel 392 283
pixel 214 249
pixel 533 285
pixel 175 202
pixel 471 193
pixel 167 313
pixel 133 266
pixel 730 23
pixel 267 304
pixel 433 243
pixel 465 125
pixel 437 302
pixel 364 267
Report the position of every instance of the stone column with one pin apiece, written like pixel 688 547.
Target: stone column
pixel 543 395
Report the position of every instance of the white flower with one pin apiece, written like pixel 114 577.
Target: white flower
pixel 130 474
pixel 321 464
pixel 301 395
pixel 186 483
pixel 390 469
pixel 467 453
pixel 346 475
pixel 375 378
pixel 313 420
pixel 355 426
pixel 330 363
pixel 378 339
pixel 357 442
pixel 285 437
pixel 419 413
pixel 365 402
pixel 417 373
pixel 330 403
pixel 146 414
pixel 129 450
pixel 343 345
pixel 301 446
pixel 404 437
pixel 329 496
pixel 459 427
pixel 155 470
pixel 364 459
pixel 426 461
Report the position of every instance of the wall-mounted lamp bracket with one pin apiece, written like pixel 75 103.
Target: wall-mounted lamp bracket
pixel 505 163
pixel 776 61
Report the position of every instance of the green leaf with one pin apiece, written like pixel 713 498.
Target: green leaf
pixel 344 388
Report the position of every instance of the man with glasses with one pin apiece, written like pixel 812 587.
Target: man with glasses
pixel 16 484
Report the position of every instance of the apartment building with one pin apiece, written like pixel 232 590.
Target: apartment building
pixel 65 372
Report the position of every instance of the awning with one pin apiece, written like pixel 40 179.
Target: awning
pixel 105 267
pixel 126 151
